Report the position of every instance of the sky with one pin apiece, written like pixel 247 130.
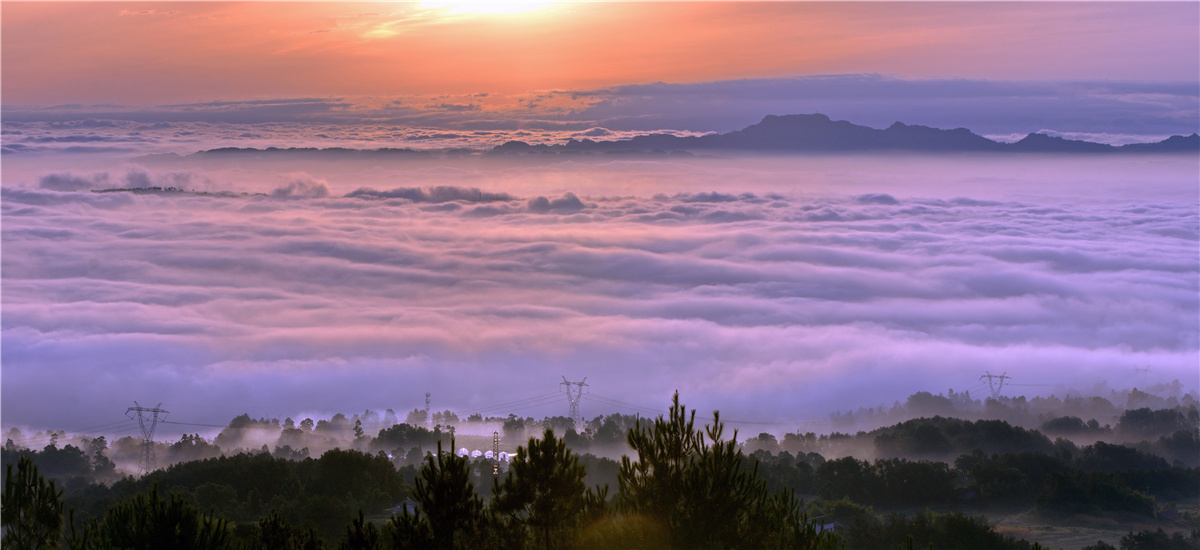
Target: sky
pixel 775 289
pixel 1108 69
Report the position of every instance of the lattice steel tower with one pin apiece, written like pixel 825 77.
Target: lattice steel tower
pixel 995 382
pixel 573 399
pixel 147 461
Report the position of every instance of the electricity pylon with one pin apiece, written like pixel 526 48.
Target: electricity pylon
pixel 995 382
pixel 147 461
pixel 573 399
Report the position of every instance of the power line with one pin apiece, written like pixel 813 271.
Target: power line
pixel 191 424
pixel 618 403
pixel 511 404
pixel 108 426
pixel 536 405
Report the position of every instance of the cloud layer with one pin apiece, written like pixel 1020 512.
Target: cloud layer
pixel 768 304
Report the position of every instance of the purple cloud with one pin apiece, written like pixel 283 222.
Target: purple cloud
pixel 791 289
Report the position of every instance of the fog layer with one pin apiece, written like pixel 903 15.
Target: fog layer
pixel 772 289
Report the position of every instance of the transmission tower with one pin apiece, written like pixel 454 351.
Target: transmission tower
pixel 573 399
pixel 146 415
pixel 428 415
pixel 995 382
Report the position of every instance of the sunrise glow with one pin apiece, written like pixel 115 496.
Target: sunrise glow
pixel 950 242
pixel 484 7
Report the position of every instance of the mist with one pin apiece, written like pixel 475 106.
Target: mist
pixel 775 289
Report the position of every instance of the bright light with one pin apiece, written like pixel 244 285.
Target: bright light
pixel 484 7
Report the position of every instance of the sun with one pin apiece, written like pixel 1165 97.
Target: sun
pixel 485 7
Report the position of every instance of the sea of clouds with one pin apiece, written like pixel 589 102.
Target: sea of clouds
pixel 311 294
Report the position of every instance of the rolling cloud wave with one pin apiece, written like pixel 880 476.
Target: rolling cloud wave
pixel 760 302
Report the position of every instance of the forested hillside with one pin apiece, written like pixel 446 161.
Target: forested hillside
pixel 926 480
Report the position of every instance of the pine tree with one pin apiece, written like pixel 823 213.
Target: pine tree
pixel 32 511
pixel 694 484
pixel 543 489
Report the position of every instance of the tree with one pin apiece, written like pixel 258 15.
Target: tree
pixel 32 511
pixel 450 506
pixel 693 482
pixel 543 489
pixel 274 533
pixel 360 535
pixel 149 522
pixel 416 417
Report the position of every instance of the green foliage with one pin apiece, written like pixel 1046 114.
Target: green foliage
pixel 32 509
pixel 192 447
pixel 782 472
pixel 904 482
pixel 543 490
pixel 54 463
pixel 940 438
pixel 318 492
pixel 275 533
pixel 1091 492
pixel 1182 446
pixel 1159 540
pixel 404 436
pixel 1010 479
pixel 148 522
pixel 406 530
pixel 1071 425
pixel 1104 457
pixel 844 477
pixel 450 507
pixel 887 482
pixel 690 485
pixel 360 535
pixel 1146 422
pixel 929 530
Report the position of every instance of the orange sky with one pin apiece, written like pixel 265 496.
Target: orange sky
pixel 157 53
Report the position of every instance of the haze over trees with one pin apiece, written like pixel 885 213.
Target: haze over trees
pixel 678 485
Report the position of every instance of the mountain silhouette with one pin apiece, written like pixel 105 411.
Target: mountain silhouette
pixel 817 133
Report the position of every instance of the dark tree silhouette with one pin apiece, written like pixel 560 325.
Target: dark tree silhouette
pixel 32 511
pixel 543 489
pixel 449 503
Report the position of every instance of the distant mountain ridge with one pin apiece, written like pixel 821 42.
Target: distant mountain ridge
pixel 817 133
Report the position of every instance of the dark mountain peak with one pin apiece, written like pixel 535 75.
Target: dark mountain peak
pixel 1042 143
pixel 816 118
pixel 1173 144
pixel 815 133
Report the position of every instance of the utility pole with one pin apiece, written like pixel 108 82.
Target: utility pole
pixel 147 461
pixel 573 399
pixel 995 382
pixel 495 453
